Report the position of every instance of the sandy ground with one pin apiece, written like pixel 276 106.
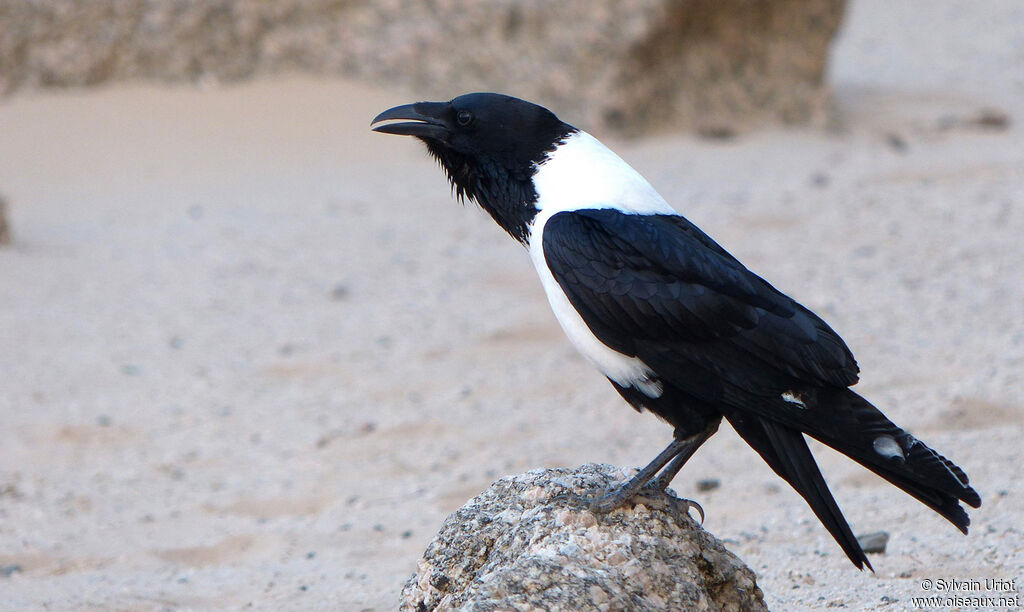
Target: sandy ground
pixel 253 354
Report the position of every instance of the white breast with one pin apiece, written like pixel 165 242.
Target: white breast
pixel 583 174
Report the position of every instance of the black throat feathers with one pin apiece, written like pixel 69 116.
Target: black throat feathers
pixel 501 184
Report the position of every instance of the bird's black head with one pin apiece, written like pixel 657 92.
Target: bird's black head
pixel 489 145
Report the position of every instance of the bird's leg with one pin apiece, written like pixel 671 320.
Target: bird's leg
pixel 660 483
pixel 675 455
pixel 617 497
pixel 662 480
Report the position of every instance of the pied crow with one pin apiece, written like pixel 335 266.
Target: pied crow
pixel 677 324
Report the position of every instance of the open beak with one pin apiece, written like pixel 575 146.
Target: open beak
pixel 428 120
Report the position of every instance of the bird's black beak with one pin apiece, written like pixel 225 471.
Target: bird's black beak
pixel 429 120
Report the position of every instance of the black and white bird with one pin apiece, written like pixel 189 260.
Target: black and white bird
pixel 676 323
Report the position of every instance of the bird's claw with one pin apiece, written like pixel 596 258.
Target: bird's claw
pixel 614 499
pixel 689 503
pixel 662 498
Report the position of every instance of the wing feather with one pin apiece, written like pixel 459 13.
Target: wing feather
pixel 656 287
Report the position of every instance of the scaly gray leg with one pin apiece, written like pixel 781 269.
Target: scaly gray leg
pixel 675 455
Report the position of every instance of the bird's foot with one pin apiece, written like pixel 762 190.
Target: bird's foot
pixel 651 495
pixel 603 503
pixel 666 498
pixel 569 498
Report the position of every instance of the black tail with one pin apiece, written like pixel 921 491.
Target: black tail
pixel 850 424
pixel 785 450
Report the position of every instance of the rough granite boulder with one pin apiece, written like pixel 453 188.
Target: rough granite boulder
pixel 717 66
pixel 528 543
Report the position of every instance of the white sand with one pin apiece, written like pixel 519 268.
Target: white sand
pixel 254 354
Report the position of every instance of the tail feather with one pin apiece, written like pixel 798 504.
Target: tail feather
pixel 850 424
pixel 786 451
pixel 910 465
pixel 944 505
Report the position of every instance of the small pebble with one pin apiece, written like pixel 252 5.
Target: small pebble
pixel 718 131
pixel 708 484
pixel 873 542
pixel 5 232
pixel 896 142
pixel 867 250
pixel 7 570
pixel 339 292
pixel 992 118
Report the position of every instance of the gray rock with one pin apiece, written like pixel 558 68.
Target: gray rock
pixel 528 542
pixel 715 66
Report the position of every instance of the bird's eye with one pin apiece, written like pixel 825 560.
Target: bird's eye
pixel 464 118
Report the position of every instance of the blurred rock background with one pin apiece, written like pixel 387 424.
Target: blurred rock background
pixel 716 66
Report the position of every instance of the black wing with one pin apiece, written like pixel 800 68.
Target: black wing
pixel 656 287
